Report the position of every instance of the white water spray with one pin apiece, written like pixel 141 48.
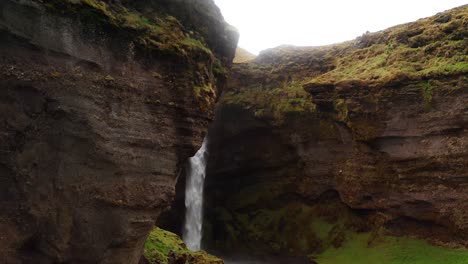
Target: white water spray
pixel 195 179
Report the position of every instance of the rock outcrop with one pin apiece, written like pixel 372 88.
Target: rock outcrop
pixel 367 136
pixel 101 103
pixel 163 247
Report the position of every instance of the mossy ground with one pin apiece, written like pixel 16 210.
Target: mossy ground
pixel 262 222
pixel 418 52
pixel 163 247
pixel 273 103
pixel 329 234
pixel 424 49
pixel 160 31
pixel 390 250
pixel 243 56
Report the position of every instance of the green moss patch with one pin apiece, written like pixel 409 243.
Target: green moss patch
pixel 390 250
pixel 274 103
pixel 205 96
pixel 286 229
pixel 163 247
pixel 328 233
pixel 243 56
pixel 419 50
pixel 152 31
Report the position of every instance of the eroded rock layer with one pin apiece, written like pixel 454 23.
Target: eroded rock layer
pixel 101 102
pixel 371 135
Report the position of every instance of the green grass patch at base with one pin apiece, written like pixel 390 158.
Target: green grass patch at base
pixel 390 250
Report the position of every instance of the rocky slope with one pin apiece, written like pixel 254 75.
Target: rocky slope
pixel 312 148
pixel 101 102
pixel 243 56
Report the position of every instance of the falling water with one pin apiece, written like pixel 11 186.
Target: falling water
pixel 194 198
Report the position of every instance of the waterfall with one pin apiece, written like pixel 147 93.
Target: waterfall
pixel 195 179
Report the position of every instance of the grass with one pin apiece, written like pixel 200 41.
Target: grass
pixel 427 91
pixel 205 95
pixel 160 31
pixel 191 42
pixel 274 103
pixel 342 109
pixel 150 33
pixel 99 5
pixel 200 90
pixel 243 56
pixel 218 68
pixel 390 250
pixel 137 21
pixel 160 244
pixel 258 223
pixel 288 230
pixel 266 225
pixel 419 50
pixel 328 233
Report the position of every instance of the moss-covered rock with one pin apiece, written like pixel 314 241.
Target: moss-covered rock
pixel 418 50
pixel 164 247
pixel 273 103
pixel 101 107
pixel 379 121
pixel 155 25
pixel 160 29
pixel 415 52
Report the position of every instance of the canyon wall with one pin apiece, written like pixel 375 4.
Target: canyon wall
pixel 101 104
pixel 311 144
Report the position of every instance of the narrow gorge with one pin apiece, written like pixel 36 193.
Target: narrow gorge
pixel 352 153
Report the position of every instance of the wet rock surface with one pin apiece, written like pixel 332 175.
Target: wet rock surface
pixel 382 150
pixel 99 110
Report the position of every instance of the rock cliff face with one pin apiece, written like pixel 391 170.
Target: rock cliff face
pixel 101 102
pixel 368 136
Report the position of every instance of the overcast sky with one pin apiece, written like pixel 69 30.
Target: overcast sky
pixel 269 23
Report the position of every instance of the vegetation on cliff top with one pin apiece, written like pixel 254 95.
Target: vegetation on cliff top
pixel 154 30
pixel 429 47
pixel 417 53
pixel 163 247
